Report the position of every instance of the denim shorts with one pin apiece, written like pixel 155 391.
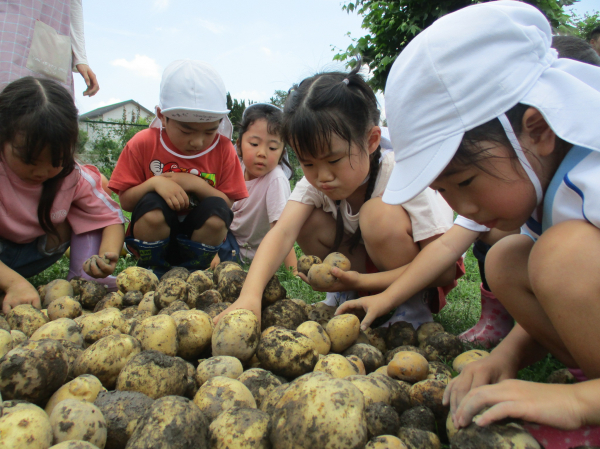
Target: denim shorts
pixel 29 259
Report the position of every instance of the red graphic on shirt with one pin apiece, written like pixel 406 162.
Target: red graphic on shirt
pixel 158 168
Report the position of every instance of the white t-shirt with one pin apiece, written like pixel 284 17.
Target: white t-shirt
pixel 429 213
pixel 470 224
pixel 252 216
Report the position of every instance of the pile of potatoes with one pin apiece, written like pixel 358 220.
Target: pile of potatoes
pixel 146 367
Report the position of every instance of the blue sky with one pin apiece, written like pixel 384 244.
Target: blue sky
pixel 257 47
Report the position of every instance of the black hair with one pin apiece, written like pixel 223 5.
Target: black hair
pixel 36 114
pixel 274 117
pixel 332 103
pixel 575 48
pixel 595 33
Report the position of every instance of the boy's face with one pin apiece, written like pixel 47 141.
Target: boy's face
pixel 189 138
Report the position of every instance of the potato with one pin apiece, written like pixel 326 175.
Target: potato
pixel 220 393
pixel 175 306
pixel 320 412
pixel 236 334
pixel 136 278
pixel 74 444
pixel 284 313
pixel 317 334
pixel 223 365
pixel 419 439
pixel 91 294
pixel 221 266
pixel 418 417
pixel 386 442
pixel 208 298
pixel 370 355
pixel 230 285
pixel 92 324
pixel 72 352
pixel 6 342
pixel 338 260
pixel 4 324
pixel 18 337
pixel 390 354
pixel 358 364
pixel 33 371
pixel 132 298
pixel 372 388
pixel 429 392
pixel 192 386
pixel 153 374
pixel 401 333
pixel 84 388
pixel 321 312
pixel 170 290
pixel 270 400
pixel 240 428
pixel 56 289
pixel 561 376
pixel 442 346
pixel 194 332
pixel 467 357
pixel 376 337
pixel 260 382
pixel 337 365
pixel 158 333
pixel 61 329
pixel 215 309
pixel 286 353
pixel 73 419
pixel 122 410
pixel 176 272
pixel 228 268
pixel 320 277
pixel 106 358
pixel 343 330
pixel 305 262
pixel 24 425
pixel 439 371
pixel 171 423
pixel 64 307
pixel 201 281
pixel 399 394
pixel 408 366
pixel 427 329
pixel 382 419
pixel 26 319
pixel 493 436
pixel 273 292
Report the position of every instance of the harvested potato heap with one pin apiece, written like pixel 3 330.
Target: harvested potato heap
pixel 146 367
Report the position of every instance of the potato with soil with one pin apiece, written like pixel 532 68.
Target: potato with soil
pixel 439 371
pixel 372 388
pixel 358 364
pixel 194 332
pixel 343 330
pixel 242 428
pixel 112 299
pixel 429 392
pixel 286 353
pixel 136 278
pixel 320 277
pixel 4 324
pixel 376 337
pixel 200 280
pixel 419 439
pixel 33 371
pixel 56 289
pixel 382 419
pixel 158 333
pixel 24 425
pixel 418 417
pixel 425 330
pixel 285 313
pixel 176 272
pixel 92 324
pixel 442 346
pixel 91 293
pixel 222 393
pixel 122 410
pixel 171 423
pixel 64 307
pixel 386 442
pixel 215 309
pixel 72 353
pixel 370 355
pixel 6 342
pixel 465 358
pixel 337 365
pixel 73 419
pixel 147 304
pixel 230 285
pixel 408 366
pixel 390 354
pixel 270 400
pixel 175 306
pixel 84 388
pixel 106 358
pixel 132 298
pixel 260 382
pixel 236 334
pixel 26 319
pixel 319 412
pixel 18 337
pixel 338 260
pixel 61 329
pixel 317 334
pixel 170 290
pixel 208 298
pixel 305 262
pixel 321 312
pixel 401 333
pixel 399 392
pixel 273 292
pixel 222 365
pixel 217 271
pixel 493 436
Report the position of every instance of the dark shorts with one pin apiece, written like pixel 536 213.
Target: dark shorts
pixel 29 259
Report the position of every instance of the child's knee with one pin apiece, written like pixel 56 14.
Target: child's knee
pixel 215 225
pixel 504 257
pixel 153 218
pixel 383 224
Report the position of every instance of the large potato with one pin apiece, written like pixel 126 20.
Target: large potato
pixel 33 371
pixel 171 423
pixel 236 334
pixel 92 324
pixel 64 307
pixel 317 334
pixel 286 353
pixel 154 374
pixel 24 425
pixel 56 289
pixel 73 419
pixel 320 412
pixel 158 333
pixel 493 436
pixel 271 399
pixel 84 388
pixel 372 388
pixel 170 290
pixel 230 285
pixel 136 278
pixel 26 319
pixel 194 331
pixel 370 355
pixel 337 365
pixel 285 313
pixel 320 277
pixel 242 428
pixel 60 329
pixel 260 382
pixel 222 393
pixel 222 365
pixel 408 366
pixel 105 358
pixel 91 294
pixel 442 346
pixel 201 281
pixel 6 342
pixel 343 330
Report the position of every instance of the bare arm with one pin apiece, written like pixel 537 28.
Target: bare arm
pixel 290 260
pixel 18 290
pixel 196 185
pixel 110 248
pixel 168 189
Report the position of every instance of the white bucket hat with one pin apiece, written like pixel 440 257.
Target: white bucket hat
pixel 193 91
pixel 470 67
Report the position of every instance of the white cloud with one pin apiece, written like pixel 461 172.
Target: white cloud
pixel 160 5
pixel 101 104
pixel 142 65
pixel 213 27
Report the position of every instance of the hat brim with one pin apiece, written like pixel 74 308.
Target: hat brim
pixel 415 173
pixel 194 115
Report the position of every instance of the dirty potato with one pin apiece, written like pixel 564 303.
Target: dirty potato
pixel 429 392
pixel 194 331
pixel 73 419
pixel 64 307
pixel 136 278
pixel 61 329
pixel 170 290
pixel 285 313
pixel 358 364
pixel 236 334
pixel 343 330
pixel 200 280
pixel 273 292
pixel 468 357
pixel 382 419
pixel 320 277
pixel 338 260
pixel 6 342
pixel 24 425
pixel 317 334
pixel 260 382
pixel 208 298
pixel 305 262
pixel 92 324
pixel 230 285
pixel 386 442
pixel 419 417
pixel 26 319
pixel 408 366
pixel 158 333
pixel 222 365
pixel 425 330
pixel 219 394
pixel 56 289
pixel 337 365
pixel 401 333
pixel 493 436
pixel 442 346
pixel 286 353
pixel 370 355
pixel 84 388
pixel 242 428
pixel 91 293
pixel 112 299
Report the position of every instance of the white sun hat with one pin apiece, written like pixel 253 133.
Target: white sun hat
pixel 470 67
pixel 193 91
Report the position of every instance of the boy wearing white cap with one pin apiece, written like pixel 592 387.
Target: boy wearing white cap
pixel 180 177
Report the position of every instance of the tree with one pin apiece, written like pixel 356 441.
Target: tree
pixel 278 98
pixel 584 25
pixel 392 24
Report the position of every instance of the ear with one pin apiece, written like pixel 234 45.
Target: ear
pixel 536 133
pixel 373 139
pixel 161 117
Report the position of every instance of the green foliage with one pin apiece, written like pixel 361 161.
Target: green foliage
pixel 278 99
pixel 584 25
pixel 392 24
pixel 82 140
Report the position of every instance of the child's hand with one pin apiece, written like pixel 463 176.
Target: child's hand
pixel 20 293
pixel 374 306
pixel 346 280
pixel 216 261
pixel 171 192
pixel 551 405
pixel 99 267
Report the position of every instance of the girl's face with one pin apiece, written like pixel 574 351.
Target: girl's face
pixel 504 198
pixel 261 151
pixel 36 173
pixel 338 173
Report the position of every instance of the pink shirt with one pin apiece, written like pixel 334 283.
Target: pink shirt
pixel 81 201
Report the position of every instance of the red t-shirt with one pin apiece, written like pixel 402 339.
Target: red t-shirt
pixel 151 153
